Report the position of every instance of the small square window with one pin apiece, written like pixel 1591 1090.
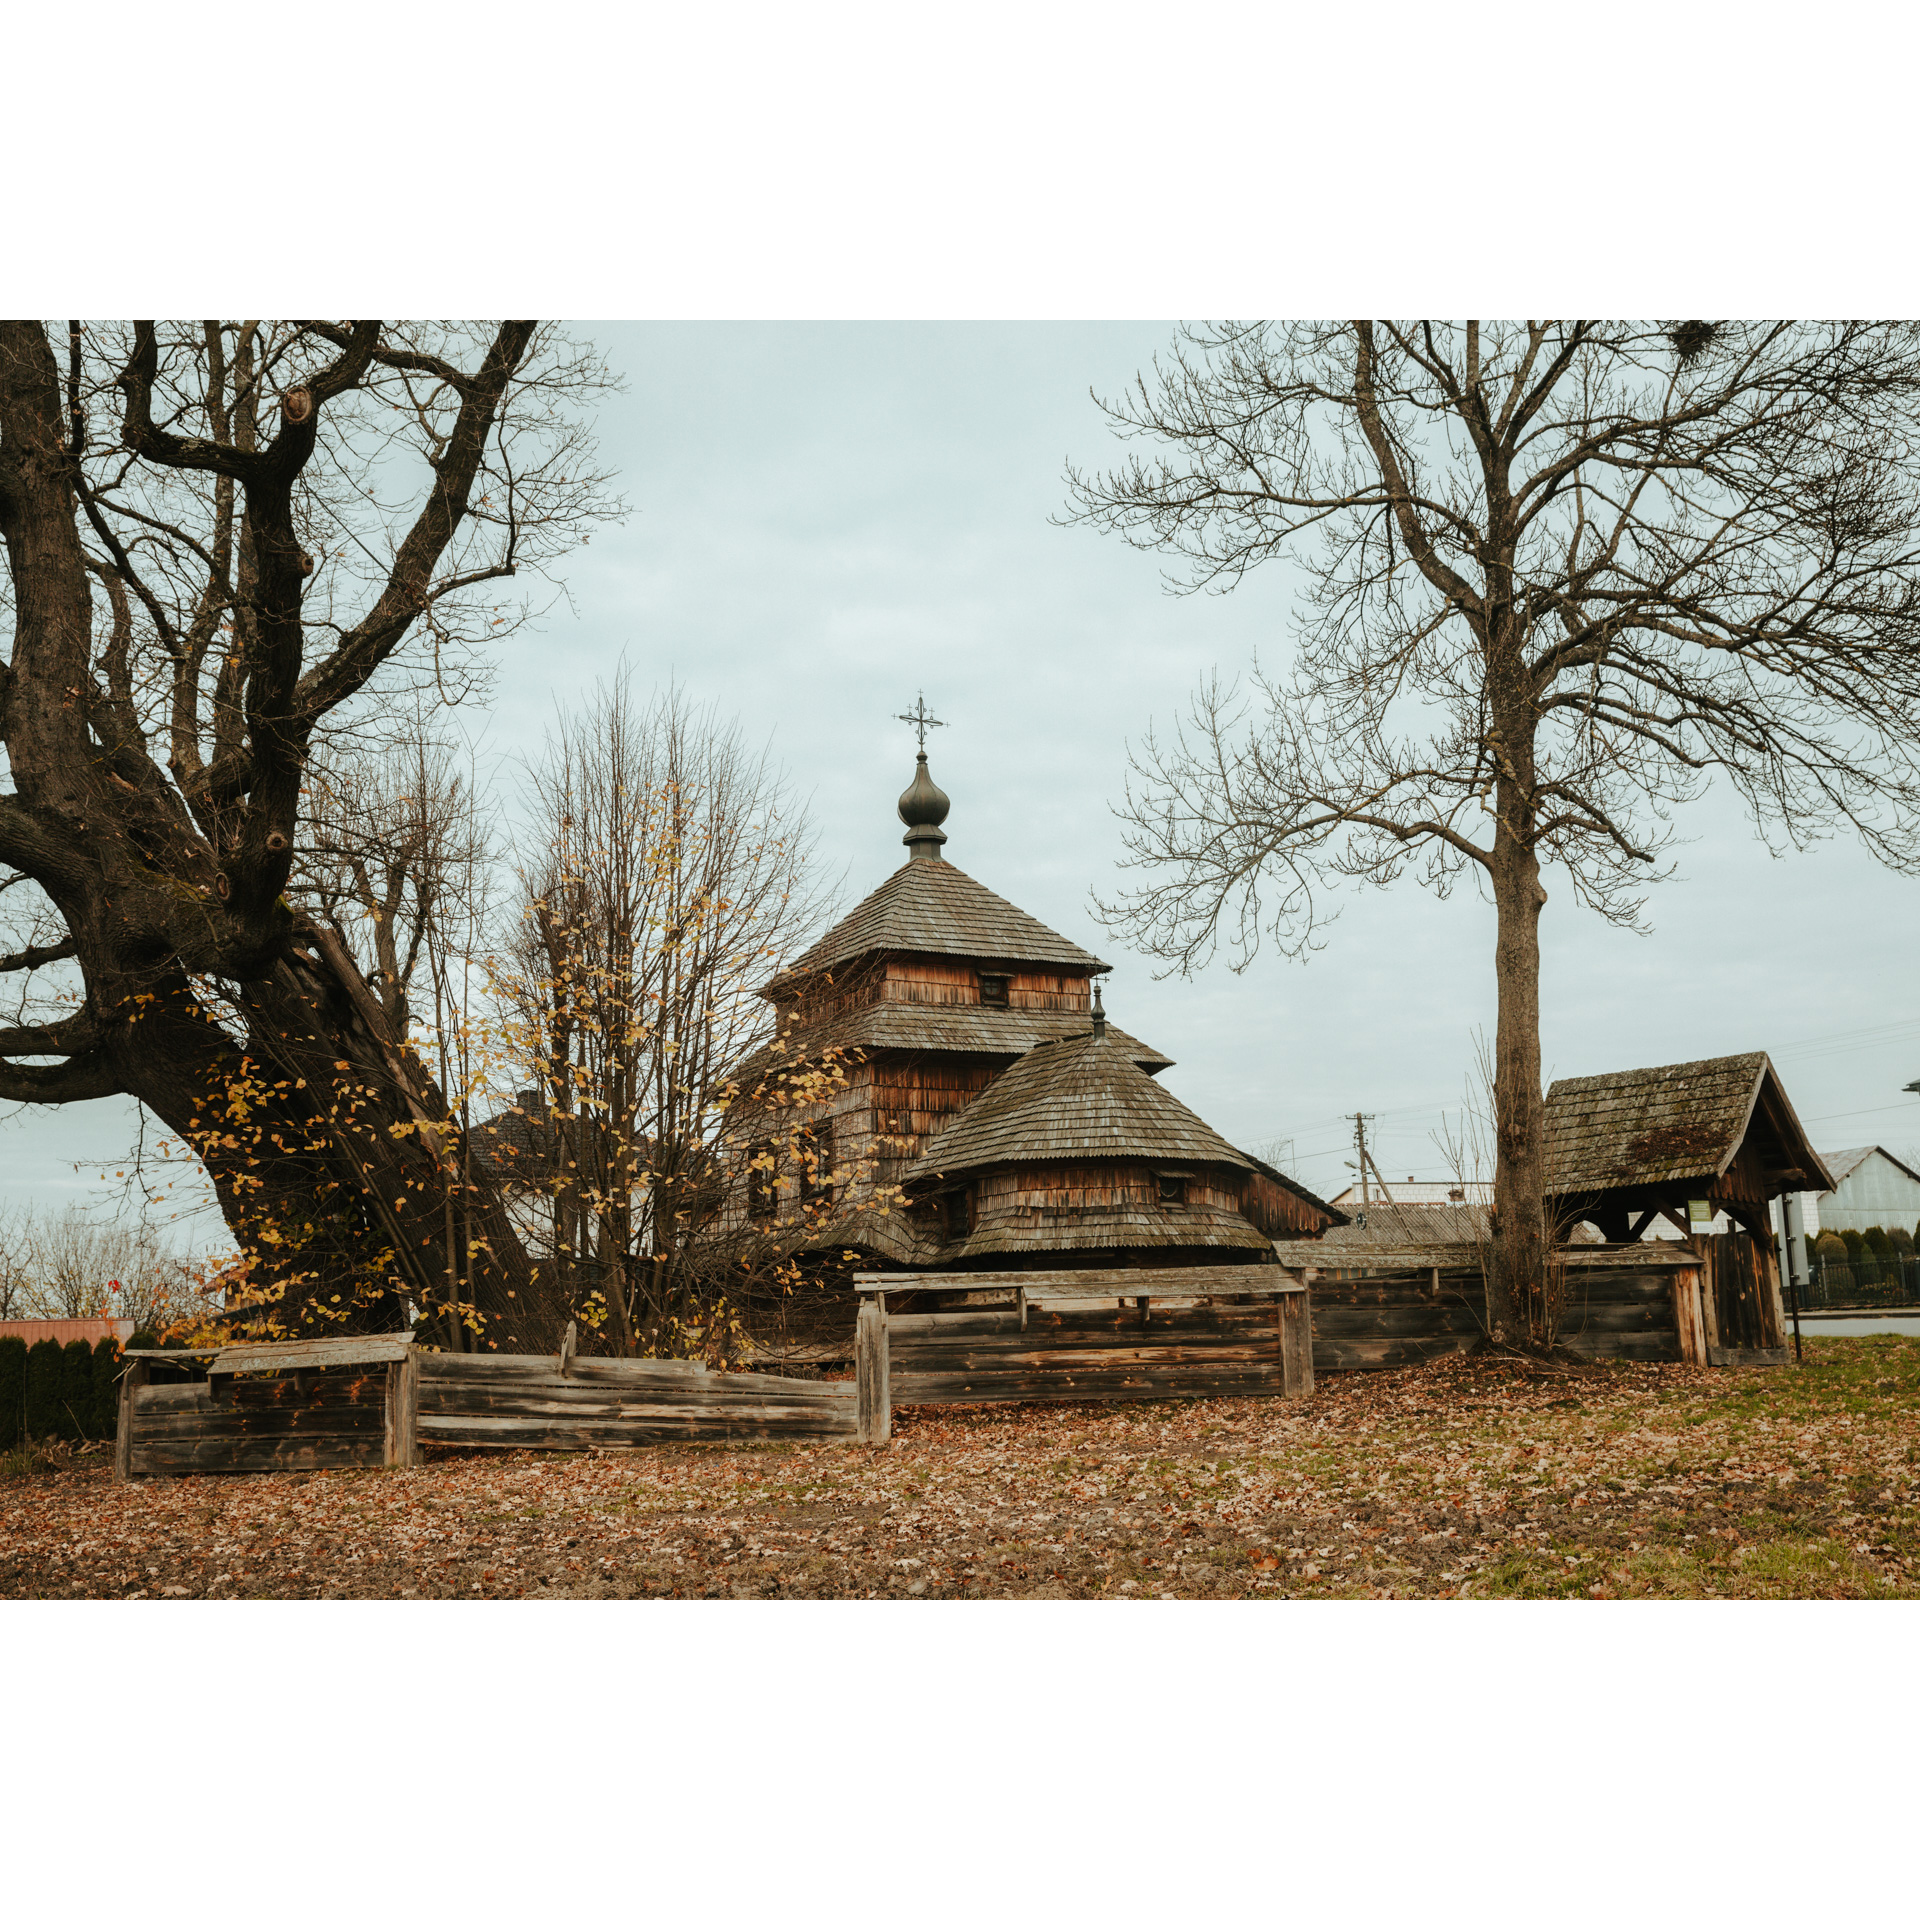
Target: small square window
pixel 993 989
pixel 1173 1189
pixel 959 1214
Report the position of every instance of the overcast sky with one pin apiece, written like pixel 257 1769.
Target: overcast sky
pixel 830 518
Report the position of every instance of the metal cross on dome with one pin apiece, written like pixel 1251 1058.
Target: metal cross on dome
pixel 920 719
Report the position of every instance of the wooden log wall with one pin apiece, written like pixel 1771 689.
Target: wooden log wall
pixel 516 1400
pixel 292 1423
pixel 1397 1320
pixel 1158 1352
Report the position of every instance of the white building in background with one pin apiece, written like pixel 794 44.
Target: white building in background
pixel 1870 1189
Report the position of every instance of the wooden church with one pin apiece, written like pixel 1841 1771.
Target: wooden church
pixel 987 1115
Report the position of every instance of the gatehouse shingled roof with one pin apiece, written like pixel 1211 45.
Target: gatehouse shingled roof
pixel 1074 1099
pixel 930 906
pixel 904 1027
pixel 1684 1123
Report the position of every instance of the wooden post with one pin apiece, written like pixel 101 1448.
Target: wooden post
pixel 1296 1345
pixel 873 1388
pixel 403 1412
pixel 567 1341
pixel 132 1378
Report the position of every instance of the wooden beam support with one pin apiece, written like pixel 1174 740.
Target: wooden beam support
pixel 133 1376
pixel 1689 1316
pixel 1296 1346
pixel 873 1361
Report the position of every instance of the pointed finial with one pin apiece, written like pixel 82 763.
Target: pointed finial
pixel 923 806
pixel 920 720
pixel 1099 1013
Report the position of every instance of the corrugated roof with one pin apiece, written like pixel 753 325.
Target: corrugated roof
pixel 907 1028
pixel 1391 1225
pixel 1075 1099
pixel 930 906
pixel 1848 1160
pixel 1658 1124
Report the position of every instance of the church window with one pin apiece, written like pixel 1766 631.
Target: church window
pixel 1173 1189
pixel 993 989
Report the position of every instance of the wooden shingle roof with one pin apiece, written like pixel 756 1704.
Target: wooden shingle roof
pixel 1088 1229
pixel 930 906
pixel 1684 1123
pixel 904 1027
pixel 1075 1099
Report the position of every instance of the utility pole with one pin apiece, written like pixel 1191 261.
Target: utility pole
pixel 1365 1159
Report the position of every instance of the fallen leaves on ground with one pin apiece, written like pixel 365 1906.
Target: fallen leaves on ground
pixel 1468 1477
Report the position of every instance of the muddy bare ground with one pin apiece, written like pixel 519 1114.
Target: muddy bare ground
pixel 1466 1478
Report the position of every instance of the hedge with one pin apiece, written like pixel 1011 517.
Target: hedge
pixel 46 1365
pixel 75 1418
pixel 106 1388
pixel 13 1389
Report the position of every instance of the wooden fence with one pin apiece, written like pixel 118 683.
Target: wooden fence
pixel 531 1400
pixel 1172 1332
pixel 260 1409
pixel 1397 1307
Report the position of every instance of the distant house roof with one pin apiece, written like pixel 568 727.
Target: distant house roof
pixel 901 1026
pixel 1658 1126
pixel 930 906
pixel 1388 1224
pixel 520 1144
pixel 1418 1193
pixel 1075 1099
pixel 1849 1161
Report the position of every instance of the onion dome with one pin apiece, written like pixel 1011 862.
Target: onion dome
pixel 923 806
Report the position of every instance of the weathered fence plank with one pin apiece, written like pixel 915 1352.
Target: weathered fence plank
pixel 501 1400
pixel 872 1348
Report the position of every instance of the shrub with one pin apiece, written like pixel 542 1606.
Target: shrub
pixel 45 1363
pixel 1902 1242
pixel 13 1390
pixel 106 1388
pixel 1855 1243
pixel 76 1392
pixel 1879 1245
pixel 1830 1248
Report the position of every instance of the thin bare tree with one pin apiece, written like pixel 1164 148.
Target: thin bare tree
pixel 667 873
pixel 229 543
pixel 1558 576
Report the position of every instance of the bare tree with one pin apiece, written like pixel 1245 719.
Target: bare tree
pixel 668 874
pixel 395 849
pixel 227 543
pixel 72 1265
pixel 1559 575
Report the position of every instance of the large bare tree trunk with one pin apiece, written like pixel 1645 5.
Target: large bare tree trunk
pixel 253 1035
pixel 1517 1276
